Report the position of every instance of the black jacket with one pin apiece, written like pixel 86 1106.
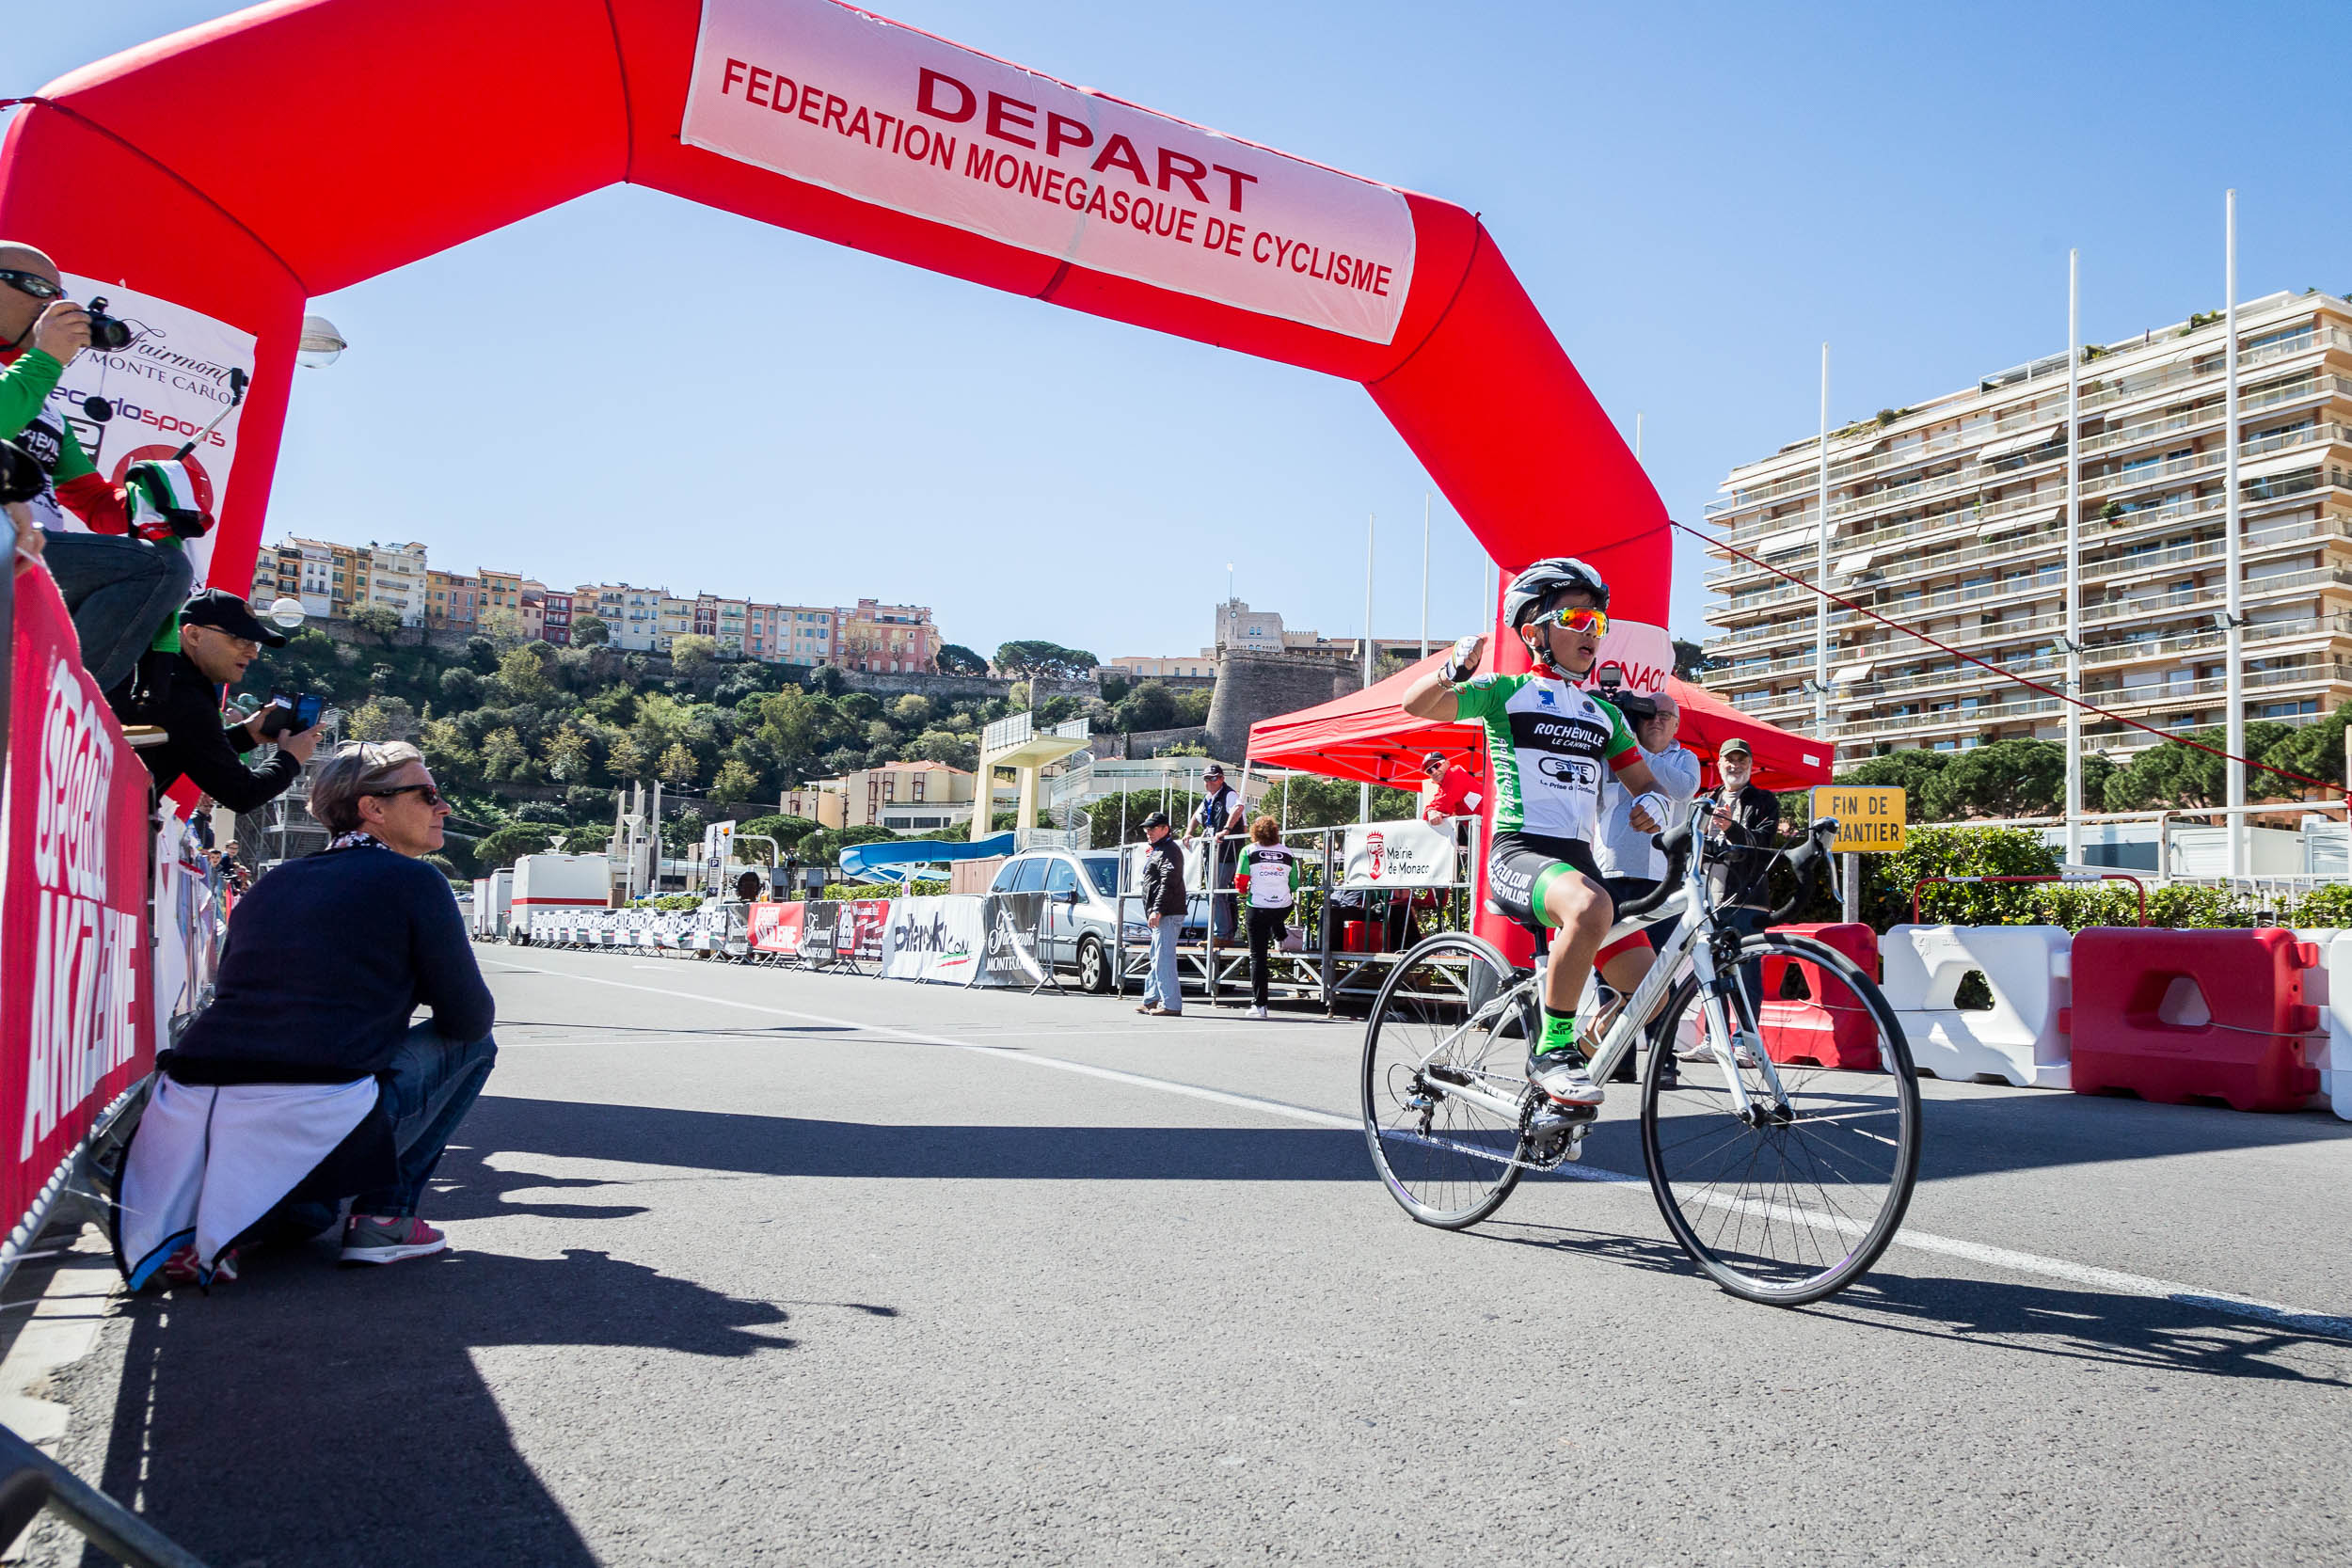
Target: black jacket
pixel 1163 878
pixel 187 706
pixel 1755 829
pixel 325 959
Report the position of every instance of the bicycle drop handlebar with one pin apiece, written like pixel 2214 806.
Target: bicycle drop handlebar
pixel 1806 861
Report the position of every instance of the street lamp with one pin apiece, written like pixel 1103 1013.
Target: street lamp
pixel 320 345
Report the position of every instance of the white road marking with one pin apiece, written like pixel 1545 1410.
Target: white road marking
pixel 2297 1319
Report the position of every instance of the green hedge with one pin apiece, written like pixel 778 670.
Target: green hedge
pixel 1888 880
pixel 844 892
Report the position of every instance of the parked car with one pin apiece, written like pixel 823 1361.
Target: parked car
pixel 1079 929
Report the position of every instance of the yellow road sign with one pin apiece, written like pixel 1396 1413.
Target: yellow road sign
pixel 1869 818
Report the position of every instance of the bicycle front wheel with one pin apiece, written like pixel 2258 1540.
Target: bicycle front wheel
pixel 1444 1051
pixel 1784 1197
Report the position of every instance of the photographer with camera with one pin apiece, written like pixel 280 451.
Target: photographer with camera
pixel 119 588
pixel 219 637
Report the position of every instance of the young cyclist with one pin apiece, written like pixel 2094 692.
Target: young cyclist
pixel 1550 742
pixel 1268 878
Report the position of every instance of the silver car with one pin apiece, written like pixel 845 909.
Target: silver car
pixel 1079 928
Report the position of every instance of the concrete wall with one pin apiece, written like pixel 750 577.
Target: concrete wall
pixel 1252 686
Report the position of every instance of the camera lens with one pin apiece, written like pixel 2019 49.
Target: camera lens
pixel 21 478
pixel 108 334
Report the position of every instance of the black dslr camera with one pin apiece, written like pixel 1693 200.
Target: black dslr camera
pixel 21 478
pixel 1635 705
pixel 106 332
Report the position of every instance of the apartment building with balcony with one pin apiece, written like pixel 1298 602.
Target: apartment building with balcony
pixel 395 578
pixel 630 614
pixel 904 797
pixel 555 616
pixel 1949 517
pixel 453 600
pixel 886 639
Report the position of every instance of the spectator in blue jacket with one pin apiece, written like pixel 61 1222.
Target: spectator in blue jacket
pixel 327 959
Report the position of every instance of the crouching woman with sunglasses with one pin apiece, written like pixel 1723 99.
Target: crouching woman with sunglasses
pixel 304 1082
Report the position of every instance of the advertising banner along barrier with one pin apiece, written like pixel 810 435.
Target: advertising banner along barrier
pixel 77 1023
pixel 1410 853
pixel 1013 919
pixel 884 114
pixel 776 929
pixel 937 938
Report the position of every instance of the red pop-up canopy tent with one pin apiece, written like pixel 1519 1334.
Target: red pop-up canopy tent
pixel 1368 736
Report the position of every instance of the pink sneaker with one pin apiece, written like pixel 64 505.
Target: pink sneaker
pixel 182 1268
pixel 374 1239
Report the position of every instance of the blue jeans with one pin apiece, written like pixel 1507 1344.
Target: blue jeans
pixel 120 592
pixel 1161 985
pixel 428 1089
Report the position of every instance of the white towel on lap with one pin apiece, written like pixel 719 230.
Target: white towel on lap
pixel 208 1160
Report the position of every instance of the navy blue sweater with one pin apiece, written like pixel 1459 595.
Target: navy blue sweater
pixel 327 959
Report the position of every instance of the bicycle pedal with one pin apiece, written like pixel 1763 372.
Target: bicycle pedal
pixel 1553 1117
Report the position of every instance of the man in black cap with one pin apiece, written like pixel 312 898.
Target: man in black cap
pixel 219 637
pixel 1164 904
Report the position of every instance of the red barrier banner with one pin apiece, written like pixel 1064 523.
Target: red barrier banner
pixel 76 1024
pixel 774 929
pixel 865 922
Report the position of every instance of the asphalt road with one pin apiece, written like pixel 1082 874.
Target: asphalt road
pixel 759 1267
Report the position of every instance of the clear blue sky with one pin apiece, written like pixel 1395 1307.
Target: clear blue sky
pixel 1697 196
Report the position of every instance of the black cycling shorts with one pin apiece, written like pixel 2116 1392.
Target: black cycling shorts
pixel 1520 866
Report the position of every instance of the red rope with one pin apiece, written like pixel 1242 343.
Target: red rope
pixel 2021 680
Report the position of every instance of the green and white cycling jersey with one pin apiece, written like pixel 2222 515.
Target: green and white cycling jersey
pixel 1548 741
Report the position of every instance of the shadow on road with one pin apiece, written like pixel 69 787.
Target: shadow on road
pixel 2159 1335
pixel 306 1414
pixel 794 1146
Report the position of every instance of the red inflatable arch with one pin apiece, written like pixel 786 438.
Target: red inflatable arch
pixel 241 167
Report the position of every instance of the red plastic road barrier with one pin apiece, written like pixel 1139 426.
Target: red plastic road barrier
pixel 2176 1016
pixel 1830 1026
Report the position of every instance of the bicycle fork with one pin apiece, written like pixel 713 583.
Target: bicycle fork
pixel 1715 1005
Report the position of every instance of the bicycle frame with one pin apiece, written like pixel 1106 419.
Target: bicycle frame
pixel 1692 939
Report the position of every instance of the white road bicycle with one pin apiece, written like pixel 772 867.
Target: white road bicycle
pixel 1783 1179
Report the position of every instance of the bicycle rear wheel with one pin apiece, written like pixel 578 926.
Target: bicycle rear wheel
pixel 1793 1200
pixel 1441 1024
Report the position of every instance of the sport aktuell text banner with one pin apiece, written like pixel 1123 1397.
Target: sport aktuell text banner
pixel 884 114
pixel 76 1021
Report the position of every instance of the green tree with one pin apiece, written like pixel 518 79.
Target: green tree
pixel 448 752
pixel 786 831
pixel 508 843
pixel 2316 751
pixel 1032 658
pixel 566 754
pixel 504 626
pixel 955 749
pixel 626 759
pixel 376 621
pixel 589 631
pixel 677 766
pixel 691 653
pixel 1150 706
pixel 914 710
pixel 1691 660
pixel 505 757
pixel 953 659
pixel 2007 778
pixel 381 719
pixel 2178 775
pixel 523 672
pixel 734 781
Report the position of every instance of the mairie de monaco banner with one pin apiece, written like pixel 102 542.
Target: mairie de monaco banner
pixel 884 114
pixel 76 1024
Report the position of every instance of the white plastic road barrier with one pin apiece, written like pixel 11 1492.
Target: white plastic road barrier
pixel 2022 1039
pixel 2329 987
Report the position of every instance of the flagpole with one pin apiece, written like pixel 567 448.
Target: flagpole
pixel 1424 573
pixel 1363 796
pixel 1820 576
pixel 2074 560
pixel 2233 564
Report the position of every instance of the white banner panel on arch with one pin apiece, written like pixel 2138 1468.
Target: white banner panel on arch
pixel 159 392
pixel 1643 652
pixel 885 114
